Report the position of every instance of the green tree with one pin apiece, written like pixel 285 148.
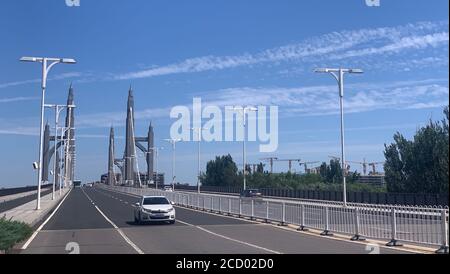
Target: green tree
pixel 323 170
pixel 222 171
pixel 420 165
pixel 332 173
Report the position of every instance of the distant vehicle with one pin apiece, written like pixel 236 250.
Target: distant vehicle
pixel 251 193
pixel 168 188
pixel 89 185
pixel 154 209
pixel 77 183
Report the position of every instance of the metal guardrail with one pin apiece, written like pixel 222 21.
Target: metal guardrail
pixel 418 225
pixel 13 191
pixel 412 199
pixel 293 198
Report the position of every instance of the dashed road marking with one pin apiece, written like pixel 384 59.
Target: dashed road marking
pixel 230 239
pixel 133 245
pixel 223 236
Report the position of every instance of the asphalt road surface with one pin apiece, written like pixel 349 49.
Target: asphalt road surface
pixel 94 220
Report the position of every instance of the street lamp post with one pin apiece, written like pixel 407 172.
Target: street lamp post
pixel 156 151
pixel 69 163
pixel 47 64
pixel 199 132
pixel 243 111
pixel 338 74
pixel 173 142
pixel 63 131
pixel 67 156
pixel 58 109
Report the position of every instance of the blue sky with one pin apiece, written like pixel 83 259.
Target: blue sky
pixel 226 52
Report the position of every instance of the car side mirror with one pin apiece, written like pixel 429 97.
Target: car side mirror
pixel 137 204
pixel 172 203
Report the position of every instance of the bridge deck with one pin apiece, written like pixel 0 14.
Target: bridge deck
pixel 78 220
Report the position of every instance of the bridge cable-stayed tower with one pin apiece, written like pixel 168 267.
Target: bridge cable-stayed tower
pixel 128 165
pixel 111 174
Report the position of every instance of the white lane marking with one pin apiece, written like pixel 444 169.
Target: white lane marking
pixel 230 239
pixel 287 229
pixel 120 192
pixel 125 202
pixel 133 245
pixel 223 236
pixel 25 246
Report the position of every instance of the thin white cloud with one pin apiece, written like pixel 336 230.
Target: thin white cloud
pixel 67 75
pixel 323 100
pixel 433 104
pixel 302 101
pixel 21 131
pixel 34 131
pixel 19 83
pixel 412 42
pixel 61 76
pixel 336 45
pixel 389 127
pixel 108 119
pixel 17 99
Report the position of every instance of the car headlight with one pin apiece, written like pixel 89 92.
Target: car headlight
pixel 170 209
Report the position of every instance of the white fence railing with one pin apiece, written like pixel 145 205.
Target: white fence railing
pixel 419 225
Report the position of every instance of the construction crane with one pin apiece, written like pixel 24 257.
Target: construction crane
pixel 374 166
pixel 290 162
pixel 270 160
pixel 305 164
pixel 347 166
pixel 364 165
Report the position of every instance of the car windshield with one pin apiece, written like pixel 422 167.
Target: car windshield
pixel 155 201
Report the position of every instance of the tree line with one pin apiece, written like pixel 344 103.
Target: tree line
pixel 419 165
pixel 223 171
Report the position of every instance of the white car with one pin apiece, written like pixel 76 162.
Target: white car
pixel 154 209
pixel 168 189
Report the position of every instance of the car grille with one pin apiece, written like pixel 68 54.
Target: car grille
pixel 159 211
pixel 159 217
